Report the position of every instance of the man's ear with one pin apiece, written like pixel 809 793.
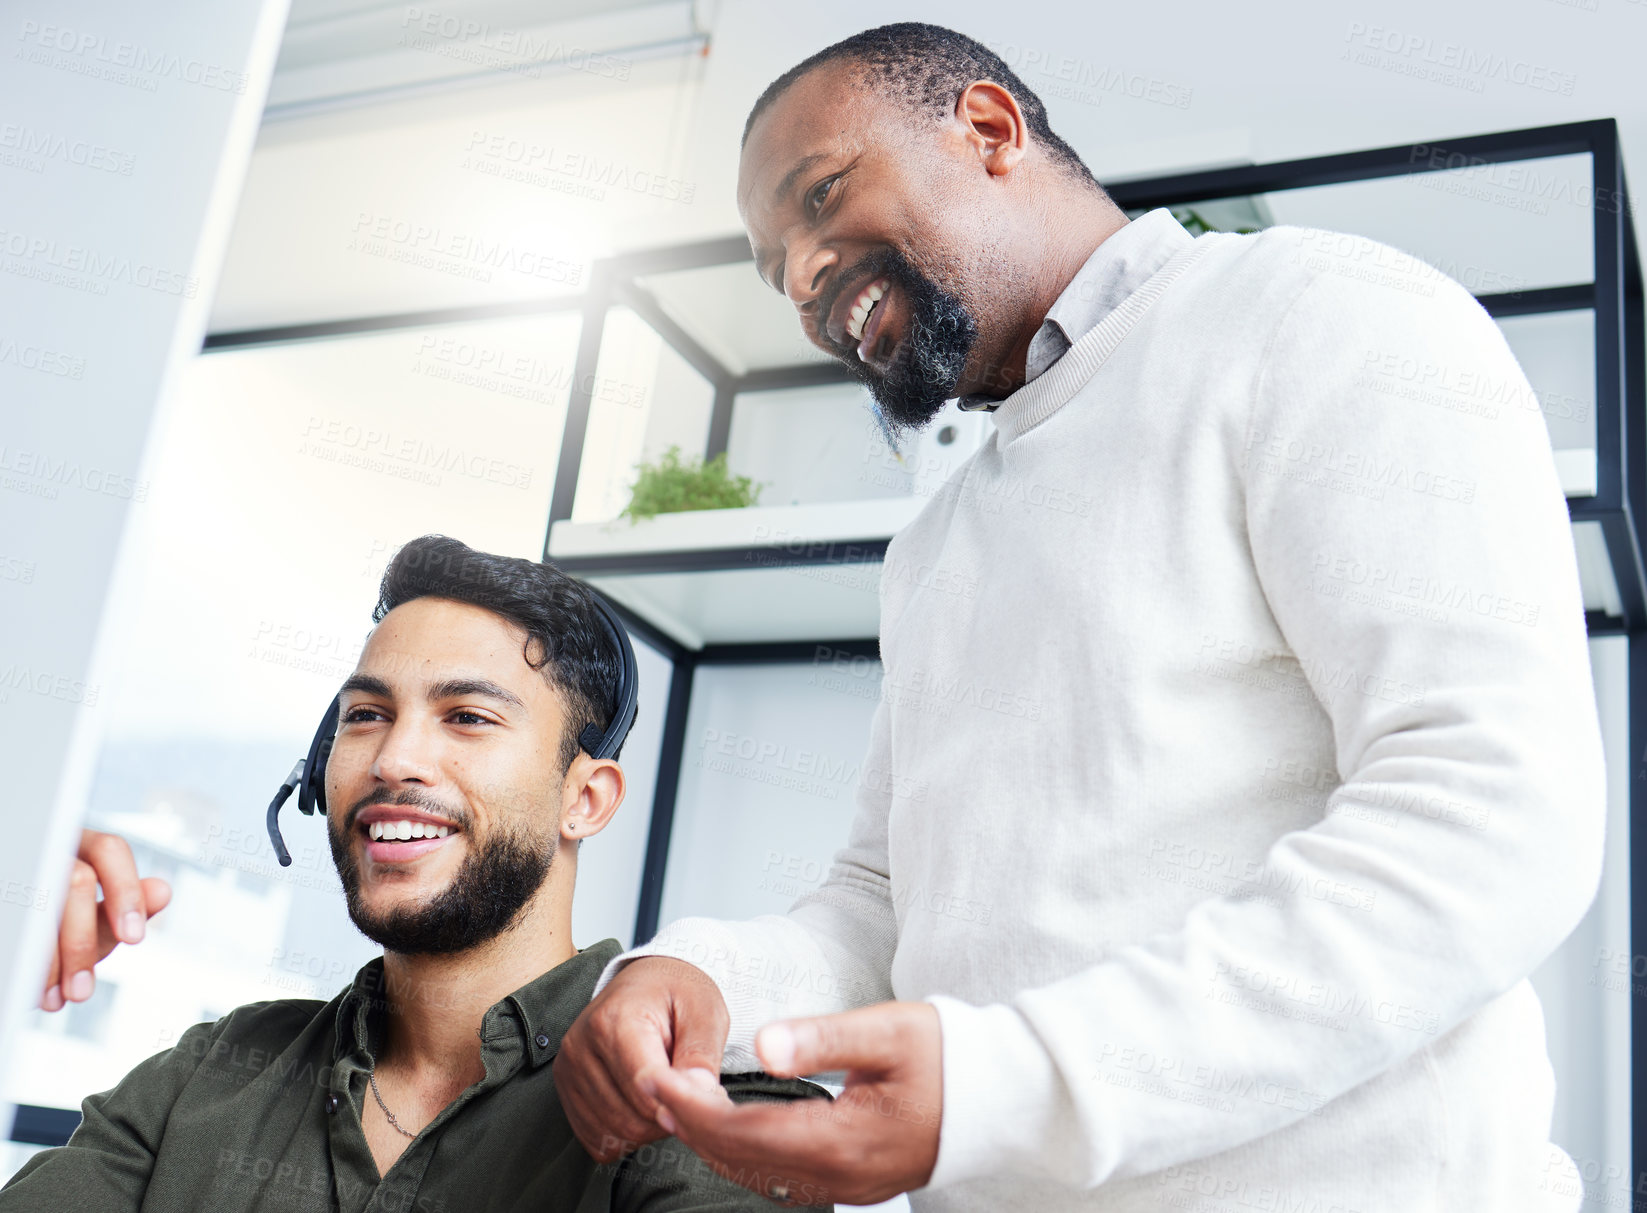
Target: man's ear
pixel 994 125
pixel 594 790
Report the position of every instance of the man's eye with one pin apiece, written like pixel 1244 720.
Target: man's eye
pixel 362 713
pixel 819 193
pixel 469 718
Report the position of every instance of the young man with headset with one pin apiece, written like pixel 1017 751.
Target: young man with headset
pixel 471 751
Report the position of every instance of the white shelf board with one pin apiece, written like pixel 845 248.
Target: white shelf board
pixel 829 521
pixel 815 602
pixel 775 526
pixel 770 596
pixel 1577 472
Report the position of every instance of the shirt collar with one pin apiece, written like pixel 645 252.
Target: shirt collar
pixel 540 1011
pixel 1126 259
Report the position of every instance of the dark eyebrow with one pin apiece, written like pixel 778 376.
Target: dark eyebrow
pixel 460 688
pixel 366 684
pixel 788 183
pixel 451 688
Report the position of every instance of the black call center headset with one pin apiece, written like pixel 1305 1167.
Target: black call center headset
pixel 308 777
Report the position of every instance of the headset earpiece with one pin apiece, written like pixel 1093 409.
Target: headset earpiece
pixel 308 779
pixel 600 744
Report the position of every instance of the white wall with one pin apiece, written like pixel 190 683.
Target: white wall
pixel 126 134
pixel 767 779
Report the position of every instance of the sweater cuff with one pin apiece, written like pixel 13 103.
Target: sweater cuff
pixel 1001 1094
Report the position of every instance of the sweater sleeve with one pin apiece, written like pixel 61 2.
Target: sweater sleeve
pixel 1416 555
pixel 831 952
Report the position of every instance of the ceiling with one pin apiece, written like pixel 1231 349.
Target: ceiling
pixel 330 31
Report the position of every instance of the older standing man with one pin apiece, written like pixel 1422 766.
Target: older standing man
pixel 1314 778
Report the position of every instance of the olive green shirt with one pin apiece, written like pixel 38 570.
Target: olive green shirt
pixel 260 1113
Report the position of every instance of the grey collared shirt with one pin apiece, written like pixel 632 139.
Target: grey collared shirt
pixel 1117 268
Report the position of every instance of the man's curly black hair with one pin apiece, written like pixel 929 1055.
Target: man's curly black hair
pixel 565 641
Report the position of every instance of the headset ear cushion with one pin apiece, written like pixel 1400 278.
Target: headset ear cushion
pixel 318 781
pixel 311 791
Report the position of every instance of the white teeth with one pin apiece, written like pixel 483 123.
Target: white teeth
pixel 861 309
pixel 406 830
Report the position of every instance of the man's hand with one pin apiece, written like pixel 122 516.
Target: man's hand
pixel 656 1013
pixel 90 930
pixel 878 1139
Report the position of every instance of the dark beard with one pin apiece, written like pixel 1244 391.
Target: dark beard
pixel 495 879
pixel 933 354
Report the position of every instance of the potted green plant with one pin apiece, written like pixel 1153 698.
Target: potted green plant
pixel 669 485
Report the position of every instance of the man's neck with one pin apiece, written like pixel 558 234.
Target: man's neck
pixel 1071 233
pixel 435 1004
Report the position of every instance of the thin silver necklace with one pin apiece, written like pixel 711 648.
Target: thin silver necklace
pixel 371 1076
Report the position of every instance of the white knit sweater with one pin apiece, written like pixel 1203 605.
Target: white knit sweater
pixel 1224 823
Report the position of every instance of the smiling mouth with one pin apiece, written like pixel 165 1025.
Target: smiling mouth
pixel 397 840
pixel 865 304
pixel 864 322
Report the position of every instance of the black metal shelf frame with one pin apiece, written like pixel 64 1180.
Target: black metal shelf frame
pixel 1619 505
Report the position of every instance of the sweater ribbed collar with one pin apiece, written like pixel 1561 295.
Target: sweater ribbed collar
pixel 1120 264
pixel 1176 250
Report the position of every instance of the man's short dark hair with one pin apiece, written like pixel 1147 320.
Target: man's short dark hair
pixel 565 641
pixel 925 67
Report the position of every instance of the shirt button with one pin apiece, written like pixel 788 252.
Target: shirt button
pixel 543 1041
pixel 332 1102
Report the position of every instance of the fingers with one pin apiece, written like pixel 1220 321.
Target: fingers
pixel 78 938
pixel 157 895
pixel 610 1056
pixel 759 1144
pixel 600 1117
pixel 614 1038
pixel 870 1038
pixel 52 999
pixel 699 1032
pixel 672 1015
pixel 90 930
pixel 111 860
pixel 635 1048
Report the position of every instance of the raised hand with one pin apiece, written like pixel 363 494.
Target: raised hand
pixel 91 929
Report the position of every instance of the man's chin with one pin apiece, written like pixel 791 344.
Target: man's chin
pixel 910 393
pixel 451 898
pixel 904 414
pixel 404 925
